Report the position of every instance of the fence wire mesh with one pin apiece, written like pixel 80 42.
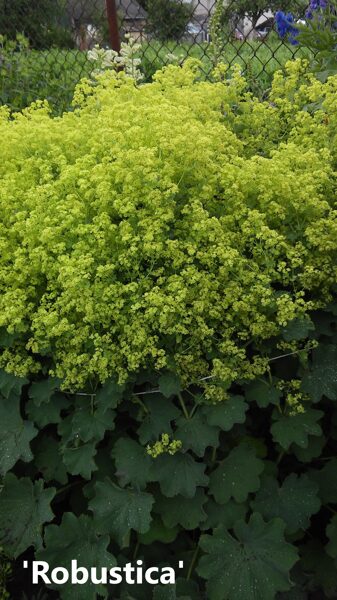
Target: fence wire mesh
pixel 44 44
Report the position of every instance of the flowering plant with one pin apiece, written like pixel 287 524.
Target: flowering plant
pixel 110 59
pixel 318 32
pixel 285 24
pixel 168 343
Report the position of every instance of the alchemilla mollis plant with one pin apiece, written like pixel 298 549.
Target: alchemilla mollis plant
pixel 168 336
pixel 124 248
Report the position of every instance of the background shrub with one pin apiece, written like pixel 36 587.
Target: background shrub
pixel 167 19
pixel 40 22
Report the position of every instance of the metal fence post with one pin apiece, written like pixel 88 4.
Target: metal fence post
pixel 113 25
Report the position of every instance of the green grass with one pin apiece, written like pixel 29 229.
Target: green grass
pixel 30 75
pixel 258 59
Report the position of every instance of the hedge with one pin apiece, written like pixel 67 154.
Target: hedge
pixel 168 333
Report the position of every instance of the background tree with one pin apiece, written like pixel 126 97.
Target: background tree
pixel 42 22
pixel 255 9
pixel 167 19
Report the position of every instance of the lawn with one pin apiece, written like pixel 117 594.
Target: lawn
pixel 29 75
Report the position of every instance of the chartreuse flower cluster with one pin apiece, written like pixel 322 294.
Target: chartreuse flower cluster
pixel 164 445
pixel 178 223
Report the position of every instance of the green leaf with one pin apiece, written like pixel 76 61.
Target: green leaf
pixel 110 394
pixel 77 538
pixel 298 329
pixel 237 476
pixel 164 592
pixel 257 444
pixel 331 532
pixel 10 384
pixel 313 450
pixel 79 460
pixel 295 429
pixel 187 512
pixel 223 514
pixel 158 532
pixel 179 474
pixel 158 419
pixel 294 501
pixel 169 385
pixel 118 510
pixel 42 391
pixel 48 459
pixel 227 413
pixel 327 481
pixel 263 393
pixel 7 339
pixel 296 593
pixel 15 435
pixel 51 412
pixel 253 564
pixel 195 434
pixel 90 423
pixel 24 509
pixel 133 463
pixel 322 378
pixel 65 429
pixel 187 589
pixel 321 567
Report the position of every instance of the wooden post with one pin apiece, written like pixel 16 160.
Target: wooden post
pixel 111 10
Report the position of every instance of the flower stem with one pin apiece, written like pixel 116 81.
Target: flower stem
pixel 183 405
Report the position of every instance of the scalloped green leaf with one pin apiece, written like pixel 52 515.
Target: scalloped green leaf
pixel 295 429
pixel 169 385
pixel 261 392
pixel 24 509
pixel 165 592
pixel 160 413
pixel 253 563
pixel 158 532
pixel 295 501
pixel 11 384
pixel 51 412
pixel 321 380
pixel 15 435
pixel 110 394
pixel 226 414
pixel 48 459
pixel 42 391
pixel 118 510
pixel 196 434
pixel 321 568
pixel 223 514
pixel 187 512
pixel 298 329
pixel 179 474
pixel 133 464
pixel 77 538
pixel 90 421
pixel 331 532
pixel 79 460
pixel 313 450
pixel 327 481
pixel 237 476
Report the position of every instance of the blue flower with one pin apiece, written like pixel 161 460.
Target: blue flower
pixel 316 4
pixel 285 26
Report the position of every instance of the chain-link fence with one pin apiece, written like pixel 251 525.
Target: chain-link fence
pixel 44 43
